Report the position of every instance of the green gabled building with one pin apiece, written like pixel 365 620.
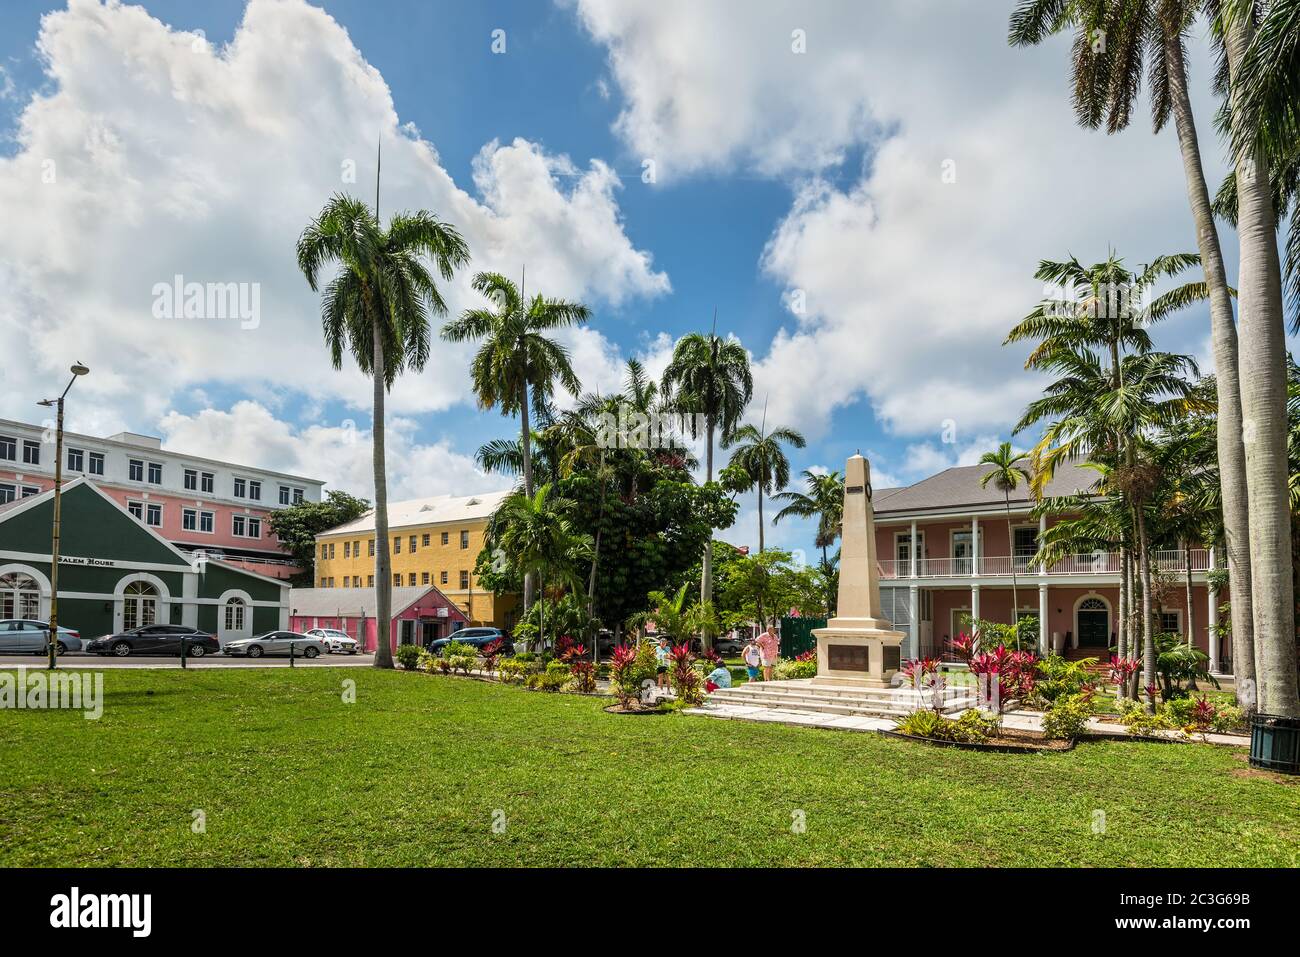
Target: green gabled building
pixel 116 573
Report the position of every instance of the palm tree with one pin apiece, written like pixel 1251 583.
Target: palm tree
pixel 708 376
pixel 823 501
pixel 377 307
pixel 539 532
pixel 759 455
pixel 1006 474
pixel 1147 36
pixel 517 362
pixel 1262 359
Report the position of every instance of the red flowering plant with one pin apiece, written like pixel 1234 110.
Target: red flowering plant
pixel 1004 675
pixel 622 673
pixel 709 655
pixel 963 647
pixel 686 680
pixel 491 652
pixel 810 655
pixel 1122 671
pixel 924 676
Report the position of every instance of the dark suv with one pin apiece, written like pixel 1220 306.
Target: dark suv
pixel 156 640
pixel 475 637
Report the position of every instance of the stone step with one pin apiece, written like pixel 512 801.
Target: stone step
pixel 810 707
pixel 783 690
pixel 839 701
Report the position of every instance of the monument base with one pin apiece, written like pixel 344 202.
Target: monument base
pixel 857 653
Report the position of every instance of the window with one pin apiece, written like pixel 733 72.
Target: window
pixel 903 550
pixel 235 610
pixel 332 549
pixel 284 495
pixel 322 583
pixel 356 549
pixel 189 519
pixel 135 470
pixel 207 521
pixel 30 490
pixel 464 579
pixel 464 539
pixel 153 515
pixel 347 549
pixel 324 552
pixel 370 581
pixel 410 579
pixel 241 488
pixel 424 540
pixel 1026 544
pixel 412 543
pixel 8 448
pixel 397 579
pixel 370 548
pixel 136 509
pixel 1171 621
pixel 155 473
pixel 76 460
pixel 245 526
pixel 255 490
pixel 191 479
pixel 20 596
pixel 7 493
pixel 207 482
pixel 297 496
pixel 255 530
pixel 96 463
pixel 444 538
pixel 397 545
pixel 139 605
pixel 31 452
pixel 424 578
pixel 442 579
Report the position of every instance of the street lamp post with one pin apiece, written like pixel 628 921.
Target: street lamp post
pixel 77 370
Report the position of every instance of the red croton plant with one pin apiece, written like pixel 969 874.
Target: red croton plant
pixel 686 680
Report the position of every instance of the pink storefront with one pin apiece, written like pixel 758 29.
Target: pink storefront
pixel 419 615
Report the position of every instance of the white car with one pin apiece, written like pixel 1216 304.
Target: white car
pixel 339 642
pixel 277 643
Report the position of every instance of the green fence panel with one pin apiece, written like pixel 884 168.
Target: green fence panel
pixel 797 635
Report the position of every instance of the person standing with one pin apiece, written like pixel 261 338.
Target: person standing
pixel 769 646
pixel 753 658
pixel 663 655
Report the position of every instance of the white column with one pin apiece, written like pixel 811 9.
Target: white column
pixel 1043 645
pixel 974 546
pixel 1042 527
pixel 912 552
pixel 913 614
pixel 974 601
pixel 1212 620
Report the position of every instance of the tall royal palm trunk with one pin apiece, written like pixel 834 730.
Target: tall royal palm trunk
pixel 383 578
pixel 760 518
pixel 706 578
pixel 1263 373
pixel 1223 338
pixel 1191 610
pixel 1121 625
pixel 526 446
pixel 1144 572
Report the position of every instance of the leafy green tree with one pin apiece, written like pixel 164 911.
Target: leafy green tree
pixel 377 307
pixel 517 363
pixel 298 525
pixel 708 376
pixel 823 501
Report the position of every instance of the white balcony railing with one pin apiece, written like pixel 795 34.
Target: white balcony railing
pixel 1001 566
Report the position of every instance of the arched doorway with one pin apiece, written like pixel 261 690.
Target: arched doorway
pixel 234 616
pixel 20 596
pixel 1092 622
pixel 139 605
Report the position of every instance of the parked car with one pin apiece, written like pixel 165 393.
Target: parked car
pixel 337 642
pixel 728 646
pixel 476 637
pixel 278 643
pixel 29 636
pixel 156 640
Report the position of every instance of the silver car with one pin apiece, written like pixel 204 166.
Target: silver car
pixel 339 642
pixel 28 636
pixel 277 643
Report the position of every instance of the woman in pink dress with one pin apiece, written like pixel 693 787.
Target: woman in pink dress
pixel 769 646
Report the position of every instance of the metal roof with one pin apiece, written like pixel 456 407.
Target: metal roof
pixel 439 509
pixel 960 486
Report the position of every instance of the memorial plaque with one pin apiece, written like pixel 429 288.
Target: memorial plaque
pixel 893 657
pixel 848 658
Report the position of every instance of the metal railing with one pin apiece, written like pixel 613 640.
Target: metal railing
pixel 1001 566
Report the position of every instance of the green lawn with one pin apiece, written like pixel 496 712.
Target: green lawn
pixel 288 774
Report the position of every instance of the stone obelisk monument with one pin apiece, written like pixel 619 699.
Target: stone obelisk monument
pixel 858 648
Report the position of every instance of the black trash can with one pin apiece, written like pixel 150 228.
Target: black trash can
pixel 1275 743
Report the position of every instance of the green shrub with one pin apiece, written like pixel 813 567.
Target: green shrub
pixel 790 668
pixel 1229 718
pixel 1068 717
pixel 1141 724
pixel 454 648
pixel 462 662
pixel 554 678
pixel 924 724
pixel 408 656
pixel 511 671
pixel 427 661
pixel 1060 678
pixel 973 727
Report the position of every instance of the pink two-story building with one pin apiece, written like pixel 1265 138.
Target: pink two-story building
pixel 197 504
pixel 945 551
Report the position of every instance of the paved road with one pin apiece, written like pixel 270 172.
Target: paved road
pixel 74 660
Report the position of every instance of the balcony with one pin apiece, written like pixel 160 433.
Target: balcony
pixel 1001 566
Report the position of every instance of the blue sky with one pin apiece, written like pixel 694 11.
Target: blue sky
pixel 817 171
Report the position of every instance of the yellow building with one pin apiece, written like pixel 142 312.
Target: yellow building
pixel 432 542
